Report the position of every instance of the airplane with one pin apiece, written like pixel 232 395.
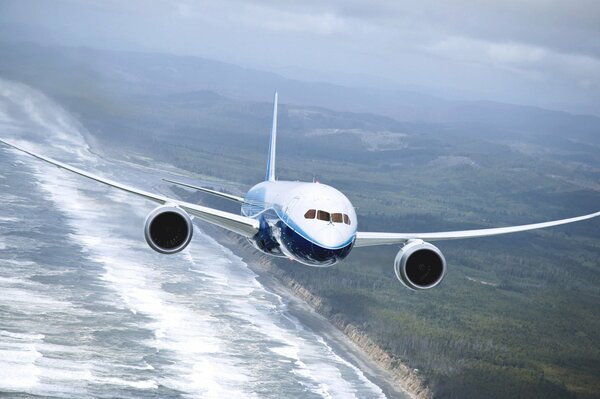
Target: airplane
pixel 311 223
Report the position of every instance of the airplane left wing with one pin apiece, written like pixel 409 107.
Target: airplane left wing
pixel 364 239
pixel 242 225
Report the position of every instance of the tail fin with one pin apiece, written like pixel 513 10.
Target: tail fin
pixel 271 160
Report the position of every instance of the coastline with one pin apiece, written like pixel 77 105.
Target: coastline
pixel 395 379
pixel 346 340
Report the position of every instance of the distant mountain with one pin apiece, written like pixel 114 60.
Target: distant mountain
pixel 150 73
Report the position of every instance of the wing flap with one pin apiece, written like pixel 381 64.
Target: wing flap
pixel 364 239
pixel 242 225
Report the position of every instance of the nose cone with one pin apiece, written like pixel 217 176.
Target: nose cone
pixel 321 215
pixel 331 236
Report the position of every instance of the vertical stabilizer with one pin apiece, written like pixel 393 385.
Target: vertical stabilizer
pixel 271 160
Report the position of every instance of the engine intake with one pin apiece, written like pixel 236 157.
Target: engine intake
pixel 168 229
pixel 420 265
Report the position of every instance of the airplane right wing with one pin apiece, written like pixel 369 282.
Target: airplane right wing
pixel 365 239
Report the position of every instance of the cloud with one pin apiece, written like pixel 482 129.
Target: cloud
pixel 535 62
pixel 513 50
pixel 534 39
pixel 515 54
pixel 320 23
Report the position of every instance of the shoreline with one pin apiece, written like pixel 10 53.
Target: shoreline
pixel 345 339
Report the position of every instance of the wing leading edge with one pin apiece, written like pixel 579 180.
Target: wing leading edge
pixel 365 239
pixel 242 225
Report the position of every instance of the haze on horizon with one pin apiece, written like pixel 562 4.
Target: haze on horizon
pixel 536 52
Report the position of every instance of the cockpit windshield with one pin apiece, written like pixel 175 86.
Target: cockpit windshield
pixel 327 216
pixel 310 214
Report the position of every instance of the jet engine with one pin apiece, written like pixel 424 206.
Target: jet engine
pixel 168 229
pixel 420 265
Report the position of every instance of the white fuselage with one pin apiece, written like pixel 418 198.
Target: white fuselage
pixel 309 222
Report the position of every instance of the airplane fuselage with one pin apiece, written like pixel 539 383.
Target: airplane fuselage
pixel 311 223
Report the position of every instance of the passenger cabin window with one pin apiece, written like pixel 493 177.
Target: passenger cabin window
pixel 310 214
pixel 322 215
pixel 337 218
pixel 346 219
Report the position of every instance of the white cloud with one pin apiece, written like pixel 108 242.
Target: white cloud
pixel 514 53
pixel 183 10
pixel 535 62
pixel 514 50
pixel 322 23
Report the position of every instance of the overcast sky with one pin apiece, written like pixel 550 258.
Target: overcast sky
pixel 539 52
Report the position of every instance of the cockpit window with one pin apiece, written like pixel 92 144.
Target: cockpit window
pixel 337 218
pixel 328 217
pixel 310 214
pixel 322 215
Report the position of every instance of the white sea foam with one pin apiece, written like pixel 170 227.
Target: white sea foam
pixel 25 296
pixel 19 371
pixel 313 359
pixel 24 364
pixel 140 384
pixel 201 369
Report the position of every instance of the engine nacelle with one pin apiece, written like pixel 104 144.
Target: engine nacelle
pixel 420 265
pixel 168 229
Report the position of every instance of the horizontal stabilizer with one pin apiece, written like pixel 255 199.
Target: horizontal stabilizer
pixel 209 191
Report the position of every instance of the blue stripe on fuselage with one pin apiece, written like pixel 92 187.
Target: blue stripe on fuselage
pixel 309 253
